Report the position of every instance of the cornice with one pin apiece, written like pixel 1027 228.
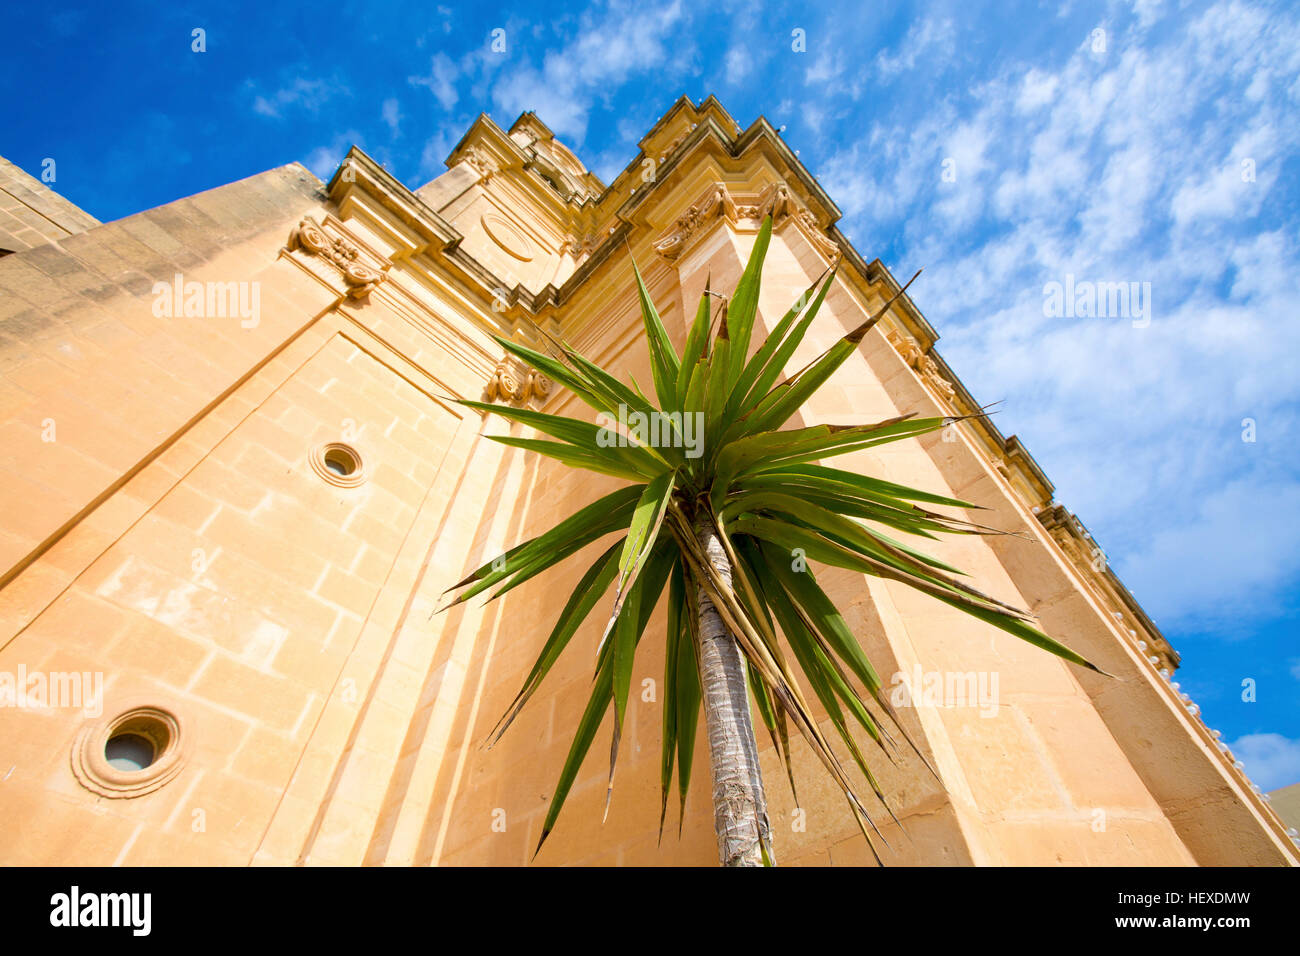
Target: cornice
pixel 1089 560
pixel 358 173
pixel 492 151
pixel 745 212
pixel 708 106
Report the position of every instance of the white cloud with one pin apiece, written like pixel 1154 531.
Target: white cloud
pixel 737 62
pixel 441 81
pixel 963 192
pixel 1148 11
pixel 885 171
pixel 1120 167
pixel 610 46
pixel 323 160
pixel 813 117
pixel 1272 761
pixel 392 114
pixel 1234 187
pixel 1038 89
pixel 309 94
pixel 929 39
pixel 435 151
pixel 823 69
pixel 1209 569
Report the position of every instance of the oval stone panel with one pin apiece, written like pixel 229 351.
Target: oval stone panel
pixel 507 236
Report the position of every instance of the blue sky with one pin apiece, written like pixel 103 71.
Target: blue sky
pixel 1164 150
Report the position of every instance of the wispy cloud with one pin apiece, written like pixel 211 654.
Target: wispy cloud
pixel 440 80
pixel 1271 760
pixel 932 38
pixel 738 62
pixel 609 47
pixel 392 114
pixel 308 94
pixel 1128 167
pixel 323 160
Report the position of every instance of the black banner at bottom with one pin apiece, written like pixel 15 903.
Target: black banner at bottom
pixel 329 905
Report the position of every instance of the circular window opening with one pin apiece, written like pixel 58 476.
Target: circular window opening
pixel 340 461
pixel 135 743
pixel 129 752
pixel 338 464
pixel 132 753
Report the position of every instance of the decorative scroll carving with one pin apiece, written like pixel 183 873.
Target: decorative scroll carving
pixel 910 351
pixel 717 203
pixel 481 162
pixel 776 201
pixel 361 278
pixel 579 247
pixel 822 242
pixel 905 346
pixel 516 383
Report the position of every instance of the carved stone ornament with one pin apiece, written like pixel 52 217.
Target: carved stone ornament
pixel 579 247
pixel 822 242
pixel 677 141
pixel 515 383
pixel 481 162
pixel 776 200
pixel 360 278
pixel 910 351
pixel 717 203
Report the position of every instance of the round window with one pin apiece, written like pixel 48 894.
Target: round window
pixel 337 463
pixel 340 461
pixel 129 752
pixel 132 753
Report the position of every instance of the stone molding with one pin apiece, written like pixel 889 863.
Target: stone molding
pixel 1087 558
pixel 514 383
pixel 677 141
pixel 776 201
pixel 911 352
pixel 318 459
pixel 580 247
pixel 481 163
pixel 361 273
pixel 159 718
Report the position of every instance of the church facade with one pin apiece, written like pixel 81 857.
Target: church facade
pixel 234 485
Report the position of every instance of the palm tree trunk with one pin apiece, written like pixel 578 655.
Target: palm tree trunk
pixel 739 804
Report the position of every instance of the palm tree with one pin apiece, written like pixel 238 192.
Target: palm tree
pixel 727 525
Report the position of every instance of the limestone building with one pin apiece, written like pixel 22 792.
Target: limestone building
pixel 233 487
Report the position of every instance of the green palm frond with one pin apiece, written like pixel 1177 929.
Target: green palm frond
pixel 764 491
